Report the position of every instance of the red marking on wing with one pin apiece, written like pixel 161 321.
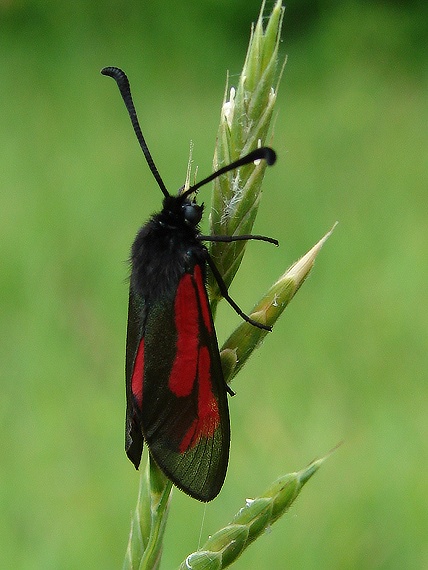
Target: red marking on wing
pixel 208 412
pixel 206 315
pixel 138 375
pixel 208 418
pixel 192 362
pixel 183 373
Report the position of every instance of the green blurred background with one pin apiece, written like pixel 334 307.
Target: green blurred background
pixel 348 360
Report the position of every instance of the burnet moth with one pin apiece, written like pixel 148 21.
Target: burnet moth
pixel 175 390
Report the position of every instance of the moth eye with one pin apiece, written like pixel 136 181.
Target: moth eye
pixel 192 213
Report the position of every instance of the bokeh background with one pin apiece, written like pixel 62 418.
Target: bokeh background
pixel 347 361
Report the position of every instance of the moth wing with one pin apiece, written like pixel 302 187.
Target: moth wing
pixel 184 413
pixel 134 378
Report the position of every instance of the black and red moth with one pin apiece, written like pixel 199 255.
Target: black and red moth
pixel 175 390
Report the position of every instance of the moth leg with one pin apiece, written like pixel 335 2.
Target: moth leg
pixel 244 237
pixel 225 294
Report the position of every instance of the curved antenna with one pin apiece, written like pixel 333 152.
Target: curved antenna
pixel 263 152
pixel 122 82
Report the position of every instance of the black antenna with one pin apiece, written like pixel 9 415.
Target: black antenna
pixel 263 152
pixel 122 82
